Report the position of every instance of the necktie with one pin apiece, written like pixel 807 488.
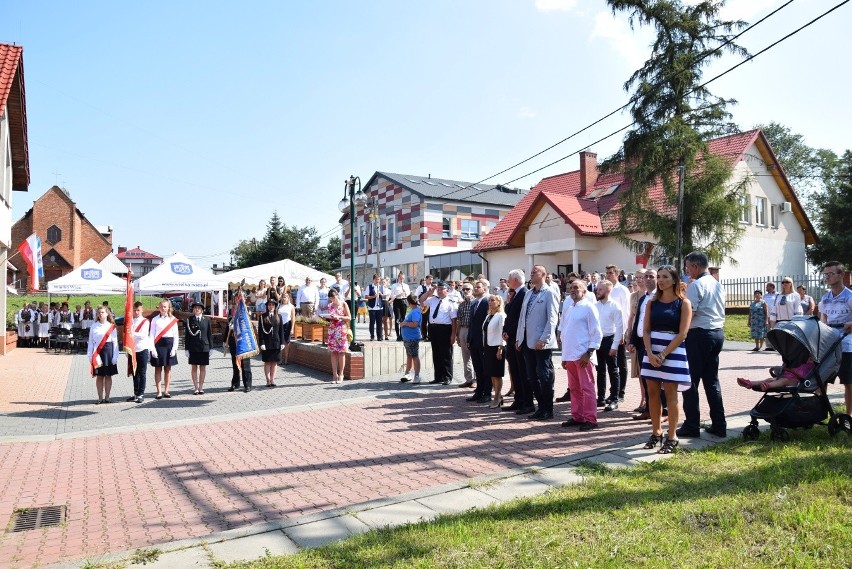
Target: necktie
pixel 437 308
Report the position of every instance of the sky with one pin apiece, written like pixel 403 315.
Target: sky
pixel 184 125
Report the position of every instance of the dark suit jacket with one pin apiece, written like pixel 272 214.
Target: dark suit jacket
pixel 513 315
pixel 197 336
pixel 477 319
pixel 268 333
pixel 634 334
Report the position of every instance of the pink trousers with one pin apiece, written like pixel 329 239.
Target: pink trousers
pixel 581 382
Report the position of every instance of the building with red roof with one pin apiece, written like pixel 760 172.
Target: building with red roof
pixel 14 152
pixel 139 261
pixel 566 221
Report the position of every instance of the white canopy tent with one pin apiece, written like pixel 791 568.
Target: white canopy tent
pixel 88 278
pixel 293 273
pixel 180 274
pixel 113 264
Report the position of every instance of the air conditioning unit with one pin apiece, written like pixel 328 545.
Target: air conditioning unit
pixel 786 207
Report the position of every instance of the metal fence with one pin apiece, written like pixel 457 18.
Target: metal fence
pixel 740 292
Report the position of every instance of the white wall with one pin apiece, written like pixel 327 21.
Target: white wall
pixel 5 212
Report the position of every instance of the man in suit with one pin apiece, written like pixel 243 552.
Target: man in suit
pixel 537 333
pixel 478 314
pixel 635 343
pixel 523 403
pixel 197 341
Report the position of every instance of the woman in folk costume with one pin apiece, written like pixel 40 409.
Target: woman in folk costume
pixel 102 353
pixel 25 319
pixel 197 341
pixel 269 338
pixel 45 318
pixel 88 316
pixel 164 332
pixel 64 317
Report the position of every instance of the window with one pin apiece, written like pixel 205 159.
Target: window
pixel 469 229
pixel 745 208
pixel 773 216
pixel 446 228
pixel 362 238
pixel 390 232
pixel 760 211
pixel 54 235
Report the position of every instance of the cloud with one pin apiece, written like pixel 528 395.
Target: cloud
pixel 555 5
pixel 526 113
pixel 631 45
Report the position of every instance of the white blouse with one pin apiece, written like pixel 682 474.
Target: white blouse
pixel 142 338
pixel 96 334
pixel 158 323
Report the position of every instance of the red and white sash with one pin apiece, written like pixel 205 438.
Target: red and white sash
pixel 96 355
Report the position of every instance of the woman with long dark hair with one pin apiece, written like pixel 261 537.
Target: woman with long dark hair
pixel 269 337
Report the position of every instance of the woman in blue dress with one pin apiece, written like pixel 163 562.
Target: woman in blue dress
pixel 758 320
pixel 665 366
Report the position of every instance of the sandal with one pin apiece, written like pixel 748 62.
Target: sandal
pixel 653 441
pixel 669 446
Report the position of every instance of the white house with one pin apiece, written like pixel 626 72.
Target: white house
pixel 14 152
pixel 561 223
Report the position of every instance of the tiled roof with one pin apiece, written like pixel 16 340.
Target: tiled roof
pixel 136 253
pixel 591 213
pixel 13 105
pixel 454 190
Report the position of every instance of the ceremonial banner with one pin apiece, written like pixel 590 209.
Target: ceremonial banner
pixel 244 338
pixel 30 250
pixel 128 341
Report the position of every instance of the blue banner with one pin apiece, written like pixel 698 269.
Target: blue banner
pixel 244 338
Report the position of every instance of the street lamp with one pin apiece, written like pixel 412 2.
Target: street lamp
pixel 351 197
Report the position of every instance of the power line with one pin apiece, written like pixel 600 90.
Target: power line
pixel 614 112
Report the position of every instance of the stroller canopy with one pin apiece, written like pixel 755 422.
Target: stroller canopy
pixel 800 338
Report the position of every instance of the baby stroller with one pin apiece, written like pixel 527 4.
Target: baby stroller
pixel 806 404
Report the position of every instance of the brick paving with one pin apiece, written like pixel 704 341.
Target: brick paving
pixel 138 475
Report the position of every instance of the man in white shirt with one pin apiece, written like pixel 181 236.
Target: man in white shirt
pixel 307 299
pixel 581 336
pixel 399 291
pixel 835 309
pixel 620 295
pixel 503 291
pixel 342 286
pixel 376 295
pixel 442 315
pixel 453 293
pixel 553 285
pixel 611 327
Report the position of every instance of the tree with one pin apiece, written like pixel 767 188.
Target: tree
pixel 835 239
pixel 300 244
pixel 674 117
pixel 330 255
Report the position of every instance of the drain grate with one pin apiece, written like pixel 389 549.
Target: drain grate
pixel 33 518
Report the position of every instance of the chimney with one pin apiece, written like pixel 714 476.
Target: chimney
pixel 121 249
pixel 588 171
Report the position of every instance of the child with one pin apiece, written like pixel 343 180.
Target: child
pixel 410 329
pixel 790 377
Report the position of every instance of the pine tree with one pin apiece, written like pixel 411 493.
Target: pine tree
pixel 835 238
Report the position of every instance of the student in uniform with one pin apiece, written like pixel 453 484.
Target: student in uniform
pixel 102 353
pixel 197 341
pixel 269 338
pixel 241 369
pixel 164 333
pixel 141 327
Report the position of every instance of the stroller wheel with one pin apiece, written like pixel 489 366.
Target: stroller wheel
pixel 838 423
pixel 751 433
pixel 780 435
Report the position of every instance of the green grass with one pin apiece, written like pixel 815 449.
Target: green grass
pixel 116 302
pixel 736 328
pixel 737 504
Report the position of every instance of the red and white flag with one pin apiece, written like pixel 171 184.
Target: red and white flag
pixel 30 250
pixel 127 340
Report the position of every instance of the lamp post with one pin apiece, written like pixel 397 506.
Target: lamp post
pixel 351 197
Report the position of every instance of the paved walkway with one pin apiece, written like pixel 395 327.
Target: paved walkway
pixel 137 476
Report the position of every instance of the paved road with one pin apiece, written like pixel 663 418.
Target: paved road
pixel 138 475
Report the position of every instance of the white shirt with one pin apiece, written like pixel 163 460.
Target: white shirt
pixel 307 294
pixel 610 318
pixel 285 311
pixel 375 290
pixel 837 311
pixel 640 331
pixel 504 294
pixel 708 303
pixel 621 296
pixel 96 334
pixel 344 288
pixel 581 330
pixel 398 291
pixel 446 314
pixel 554 286
pixel 769 299
pixel 142 338
pixel 792 306
pixel 455 296
pixel 158 323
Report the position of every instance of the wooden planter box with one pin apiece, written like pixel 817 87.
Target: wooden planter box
pixel 314 332
pixel 11 341
pixel 297 330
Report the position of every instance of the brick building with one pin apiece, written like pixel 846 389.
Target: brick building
pixel 68 238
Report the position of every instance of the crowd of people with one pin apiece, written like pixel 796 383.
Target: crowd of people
pixel 766 310
pixel 34 321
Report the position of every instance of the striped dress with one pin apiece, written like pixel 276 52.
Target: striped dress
pixel 665 323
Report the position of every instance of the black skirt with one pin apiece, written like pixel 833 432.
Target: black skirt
pixel 492 367
pixel 199 358
pixel 163 348
pixel 108 369
pixel 270 355
pixel 286 330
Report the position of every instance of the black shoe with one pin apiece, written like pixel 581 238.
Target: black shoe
pixel 131 399
pixel 467 384
pixel 572 423
pixel 716 432
pixel 472 398
pixel 564 398
pixel 436 381
pixel 688 433
pixel 232 388
pixel 588 426
pixel 246 389
pixel 524 410
pixel 445 382
pixel 405 379
pixel 611 406
pixel 537 415
pixel 546 416
pixel 621 398
pixel 484 399
pixel 512 407
pixel 768 349
pixel 602 403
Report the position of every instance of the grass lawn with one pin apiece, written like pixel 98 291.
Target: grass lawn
pixel 738 504
pixel 736 328
pixel 116 302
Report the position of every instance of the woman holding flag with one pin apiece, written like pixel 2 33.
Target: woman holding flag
pixel 102 353
pixel 164 331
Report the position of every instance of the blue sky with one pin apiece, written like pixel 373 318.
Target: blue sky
pixel 183 125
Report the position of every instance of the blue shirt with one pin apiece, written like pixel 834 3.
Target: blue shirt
pixel 408 333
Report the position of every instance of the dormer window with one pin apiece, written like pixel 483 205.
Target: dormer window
pixel 54 235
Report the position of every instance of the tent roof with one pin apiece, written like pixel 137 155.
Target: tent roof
pixel 179 274
pixel 88 278
pixel 287 268
pixel 113 264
